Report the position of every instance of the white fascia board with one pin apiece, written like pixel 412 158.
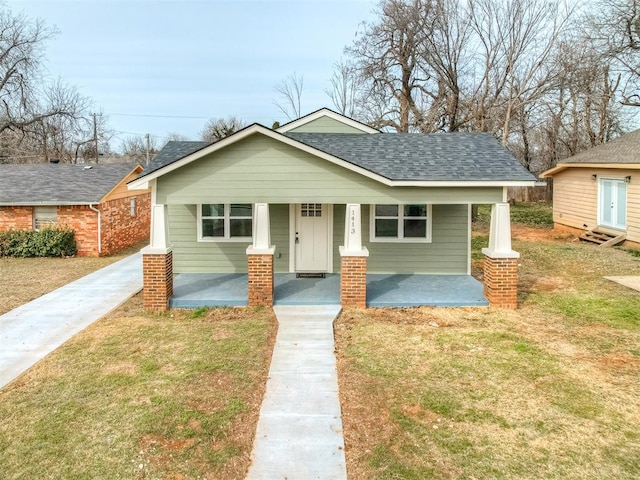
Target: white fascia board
pixel 325 112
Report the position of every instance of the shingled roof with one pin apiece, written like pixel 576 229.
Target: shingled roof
pixel 61 184
pixel 624 149
pixel 464 156
pixel 461 156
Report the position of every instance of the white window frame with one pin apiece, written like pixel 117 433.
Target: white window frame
pixel 400 238
pixel 47 214
pixel 227 224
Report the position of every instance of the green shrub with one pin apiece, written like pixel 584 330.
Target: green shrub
pixel 48 242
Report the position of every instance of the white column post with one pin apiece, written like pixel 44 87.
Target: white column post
pixel 261 231
pixel 159 241
pixel 500 233
pixel 353 233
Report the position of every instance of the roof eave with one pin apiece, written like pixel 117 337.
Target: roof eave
pixel 47 203
pixel 563 166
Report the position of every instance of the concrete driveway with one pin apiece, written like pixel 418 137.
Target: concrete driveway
pixel 32 331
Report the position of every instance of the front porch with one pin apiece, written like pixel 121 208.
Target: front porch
pixel 196 290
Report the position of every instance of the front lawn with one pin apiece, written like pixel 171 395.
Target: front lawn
pixel 550 391
pixel 142 396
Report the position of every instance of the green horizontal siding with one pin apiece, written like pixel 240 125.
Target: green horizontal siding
pixel 191 256
pixel 262 170
pixel 448 253
pixel 326 125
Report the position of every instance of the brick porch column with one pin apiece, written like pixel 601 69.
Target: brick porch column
pixel 157 264
pixel 353 268
pixel 501 262
pixel 260 259
pixel 157 283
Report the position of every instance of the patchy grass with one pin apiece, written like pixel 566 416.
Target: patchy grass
pixel 551 390
pixel 142 396
pixel 25 279
pixel 539 214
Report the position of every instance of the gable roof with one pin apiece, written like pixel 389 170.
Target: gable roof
pixel 460 156
pixel 62 184
pixel 326 112
pixel 442 159
pixel 622 152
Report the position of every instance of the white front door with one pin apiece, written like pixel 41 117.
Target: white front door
pixel 312 242
pixel 612 204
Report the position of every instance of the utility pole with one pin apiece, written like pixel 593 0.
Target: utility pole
pixel 148 146
pixel 95 134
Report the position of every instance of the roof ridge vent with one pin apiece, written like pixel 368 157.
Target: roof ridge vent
pixel 87 167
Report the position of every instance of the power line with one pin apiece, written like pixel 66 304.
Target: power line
pixel 155 116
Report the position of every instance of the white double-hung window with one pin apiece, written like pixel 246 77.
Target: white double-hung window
pixel 225 222
pixel 409 223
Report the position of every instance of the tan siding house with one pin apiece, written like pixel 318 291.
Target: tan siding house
pixel 599 189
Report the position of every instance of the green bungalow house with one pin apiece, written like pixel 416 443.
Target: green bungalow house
pixel 384 218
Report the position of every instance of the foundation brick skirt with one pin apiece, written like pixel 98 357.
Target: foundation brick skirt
pixel 353 282
pixel 501 282
pixel 157 281
pixel 260 270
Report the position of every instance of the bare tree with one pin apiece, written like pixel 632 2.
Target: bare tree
pixel 219 128
pixel 135 148
pixel 25 98
pixel 615 33
pixel 345 89
pixel 290 92
pixel 387 56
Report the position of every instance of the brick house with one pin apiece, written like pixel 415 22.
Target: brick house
pixel 93 200
pixel 328 196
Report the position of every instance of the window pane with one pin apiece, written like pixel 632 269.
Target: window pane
pixel 415 228
pixel 240 227
pixel 213 227
pixel 415 210
pixel 386 228
pixel 240 209
pixel 213 210
pixel 386 210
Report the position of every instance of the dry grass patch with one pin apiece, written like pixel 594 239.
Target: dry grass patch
pixel 551 390
pixel 138 395
pixel 25 279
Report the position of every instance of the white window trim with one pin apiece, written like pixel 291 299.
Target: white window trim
pixel 372 225
pixel 227 222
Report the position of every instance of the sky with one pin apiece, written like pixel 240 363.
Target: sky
pixel 167 66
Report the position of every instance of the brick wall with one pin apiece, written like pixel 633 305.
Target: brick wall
pixel 501 282
pixel 353 282
pixel 157 285
pixel 119 228
pixel 84 222
pixel 16 218
pixel 260 270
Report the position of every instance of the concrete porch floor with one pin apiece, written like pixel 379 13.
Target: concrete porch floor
pixel 193 290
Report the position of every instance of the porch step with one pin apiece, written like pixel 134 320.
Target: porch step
pixel 602 238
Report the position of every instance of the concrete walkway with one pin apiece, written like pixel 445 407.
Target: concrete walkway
pixel 32 331
pixel 299 433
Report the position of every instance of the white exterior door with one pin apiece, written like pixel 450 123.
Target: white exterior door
pixel 612 204
pixel 312 237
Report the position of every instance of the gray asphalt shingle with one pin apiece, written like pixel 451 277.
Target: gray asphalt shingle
pixel 61 184
pixel 624 149
pixel 461 156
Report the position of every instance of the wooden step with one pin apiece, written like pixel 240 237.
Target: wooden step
pixel 604 239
